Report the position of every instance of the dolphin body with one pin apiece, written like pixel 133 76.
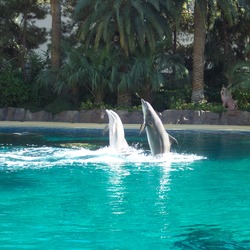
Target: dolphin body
pixel 116 132
pixel 158 139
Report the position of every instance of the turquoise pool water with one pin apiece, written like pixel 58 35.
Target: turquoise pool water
pixel 55 195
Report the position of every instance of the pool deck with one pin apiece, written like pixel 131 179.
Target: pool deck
pixel 4 124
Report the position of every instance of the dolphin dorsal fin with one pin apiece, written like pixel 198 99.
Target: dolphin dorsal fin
pixel 172 139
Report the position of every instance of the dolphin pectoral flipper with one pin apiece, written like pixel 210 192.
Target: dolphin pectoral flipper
pixel 142 128
pixel 172 139
pixel 105 130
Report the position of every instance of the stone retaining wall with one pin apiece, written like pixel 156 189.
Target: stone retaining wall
pixel 236 117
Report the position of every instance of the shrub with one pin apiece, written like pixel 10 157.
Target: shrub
pixel 243 97
pixel 13 90
pixel 213 107
pixel 60 104
pixel 92 105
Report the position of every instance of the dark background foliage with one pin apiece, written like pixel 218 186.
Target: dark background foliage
pixel 110 50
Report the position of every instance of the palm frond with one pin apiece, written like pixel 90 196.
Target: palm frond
pixel 155 4
pixel 82 5
pixel 150 38
pixel 229 10
pixel 138 7
pixel 99 32
pixel 157 21
pixel 108 29
pixel 138 23
pixel 239 75
pixel 140 30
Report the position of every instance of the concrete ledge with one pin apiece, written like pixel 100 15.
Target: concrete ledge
pixel 99 116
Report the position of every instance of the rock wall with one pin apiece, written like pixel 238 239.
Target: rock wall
pixel 236 117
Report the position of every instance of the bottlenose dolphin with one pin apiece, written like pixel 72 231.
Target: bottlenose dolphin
pixel 116 132
pixel 158 139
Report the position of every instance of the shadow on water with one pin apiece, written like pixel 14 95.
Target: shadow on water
pixel 209 237
pixel 35 139
pixel 13 180
pixel 214 144
pixel 22 139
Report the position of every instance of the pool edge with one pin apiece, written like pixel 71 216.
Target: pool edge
pixel 4 124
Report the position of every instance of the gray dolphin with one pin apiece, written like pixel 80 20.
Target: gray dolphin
pixel 116 132
pixel 158 139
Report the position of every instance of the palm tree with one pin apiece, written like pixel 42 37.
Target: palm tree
pixel 146 77
pixel 19 38
pixel 149 73
pixel 48 77
pixel 98 69
pixel 55 35
pixel 88 69
pixel 200 10
pixel 229 11
pixel 132 26
pixel 239 73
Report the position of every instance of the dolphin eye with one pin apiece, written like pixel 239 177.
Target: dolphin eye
pixel 150 123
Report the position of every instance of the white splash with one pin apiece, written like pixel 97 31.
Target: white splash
pixel 44 157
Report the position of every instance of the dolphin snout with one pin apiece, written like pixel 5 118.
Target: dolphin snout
pixel 144 107
pixel 108 112
pixel 143 102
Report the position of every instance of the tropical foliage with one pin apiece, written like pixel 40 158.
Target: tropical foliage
pixel 107 51
pixel 13 91
pixel 89 70
pixel 131 24
pixel 18 33
pixel 239 73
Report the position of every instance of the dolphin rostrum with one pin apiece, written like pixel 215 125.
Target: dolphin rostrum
pixel 116 132
pixel 158 139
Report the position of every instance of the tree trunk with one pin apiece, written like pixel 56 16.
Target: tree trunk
pixel 98 95
pixel 228 61
pixel 146 93
pixel 24 51
pixel 55 35
pixel 124 99
pixel 174 39
pixel 198 52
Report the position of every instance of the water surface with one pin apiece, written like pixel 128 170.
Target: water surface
pixel 66 189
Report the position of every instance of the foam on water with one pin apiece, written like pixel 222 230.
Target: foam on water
pixel 42 157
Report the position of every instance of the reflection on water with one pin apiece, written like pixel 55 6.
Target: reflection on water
pixel 116 189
